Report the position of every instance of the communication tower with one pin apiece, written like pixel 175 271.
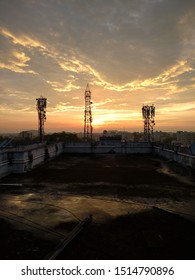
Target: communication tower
pixel 148 113
pixel 41 108
pixel 88 116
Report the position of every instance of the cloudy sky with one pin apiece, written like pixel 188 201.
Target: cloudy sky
pixel 131 52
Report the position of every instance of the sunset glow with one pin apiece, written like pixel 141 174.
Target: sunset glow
pixel 130 52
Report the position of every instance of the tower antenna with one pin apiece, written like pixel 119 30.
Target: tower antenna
pixel 88 116
pixel 41 108
pixel 148 114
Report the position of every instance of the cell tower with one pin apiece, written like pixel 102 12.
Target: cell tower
pixel 148 113
pixel 88 116
pixel 41 108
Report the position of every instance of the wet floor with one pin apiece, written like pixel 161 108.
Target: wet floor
pixel 54 211
pixel 51 200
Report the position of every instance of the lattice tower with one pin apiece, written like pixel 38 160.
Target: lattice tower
pixel 41 108
pixel 88 116
pixel 148 113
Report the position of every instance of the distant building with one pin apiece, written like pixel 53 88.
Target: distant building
pixel 111 136
pixel 186 138
pixel 164 137
pixel 138 137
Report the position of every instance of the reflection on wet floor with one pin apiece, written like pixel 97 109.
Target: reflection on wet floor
pixel 51 211
pixel 63 212
pixel 167 171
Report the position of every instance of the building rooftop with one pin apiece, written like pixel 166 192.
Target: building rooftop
pixel 141 207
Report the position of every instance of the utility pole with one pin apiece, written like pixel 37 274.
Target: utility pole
pixel 88 116
pixel 41 108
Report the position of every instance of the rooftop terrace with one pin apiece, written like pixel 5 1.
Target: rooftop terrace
pixel 142 207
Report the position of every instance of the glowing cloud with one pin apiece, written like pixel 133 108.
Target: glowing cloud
pixel 22 40
pixel 17 63
pixel 63 88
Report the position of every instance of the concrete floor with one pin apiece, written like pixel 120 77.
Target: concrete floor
pixel 120 192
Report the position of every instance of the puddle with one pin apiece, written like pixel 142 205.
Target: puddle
pixel 53 211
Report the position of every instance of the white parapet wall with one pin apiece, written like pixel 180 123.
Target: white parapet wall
pixel 5 163
pixel 184 159
pixel 108 147
pixel 23 158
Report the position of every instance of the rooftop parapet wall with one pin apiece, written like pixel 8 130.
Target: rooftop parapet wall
pixel 22 148
pixel 184 159
pixel 106 147
pixel 5 164
pixel 22 159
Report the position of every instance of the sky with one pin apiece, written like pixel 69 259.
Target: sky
pixel 131 52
